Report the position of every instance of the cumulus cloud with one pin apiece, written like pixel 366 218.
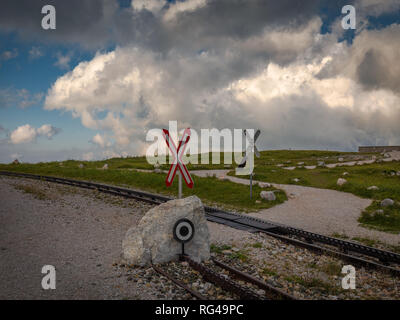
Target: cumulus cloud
pixel 372 59
pixel 23 134
pixel 290 103
pixel 27 133
pixel 101 141
pixel 236 64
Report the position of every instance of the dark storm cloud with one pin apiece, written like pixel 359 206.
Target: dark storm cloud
pixel 377 71
pixel 98 23
pixel 83 21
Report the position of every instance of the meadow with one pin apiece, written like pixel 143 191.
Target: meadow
pixel 268 168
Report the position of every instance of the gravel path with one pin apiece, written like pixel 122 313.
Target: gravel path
pixel 317 210
pixel 77 231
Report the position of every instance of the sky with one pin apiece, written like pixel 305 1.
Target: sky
pixel 113 70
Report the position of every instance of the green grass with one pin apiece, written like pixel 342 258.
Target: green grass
pixel 388 220
pixel 269 272
pixel 211 191
pixel 359 178
pixel 37 193
pixel 257 245
pixel 218 249
pixel 240 255
pixel 234 196
pixel 331 268
pixel 314 283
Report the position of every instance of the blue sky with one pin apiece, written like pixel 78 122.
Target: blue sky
pixel 35 75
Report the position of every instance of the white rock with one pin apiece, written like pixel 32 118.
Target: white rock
pixel 296 180
pixel 341 159
pixel 105 167
pixel 387 203
pixel 151 241
pixel 268 195
pixel 341 182
pixel 300 163
pixel 321 164
pixel 81 166
pixel 398 173
pixel 374 188
pixel 345 173
pixel 386 155
pixel 264 185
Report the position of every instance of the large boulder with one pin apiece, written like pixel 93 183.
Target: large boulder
pixel 152 241
pixel 387 203
pixel 268 195
pixel 341 182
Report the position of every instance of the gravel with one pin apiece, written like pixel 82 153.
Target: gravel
pixel 80 233
pixel 297 271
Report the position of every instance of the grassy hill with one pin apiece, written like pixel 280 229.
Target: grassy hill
pixel 269 168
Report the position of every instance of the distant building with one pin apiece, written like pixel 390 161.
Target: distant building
pixel 378 149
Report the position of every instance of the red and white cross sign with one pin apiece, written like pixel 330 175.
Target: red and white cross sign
pixel 177 155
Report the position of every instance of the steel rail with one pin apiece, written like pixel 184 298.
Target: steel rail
pixel 248 223
pixel 222 281
pixel 270 291
pixel 179 283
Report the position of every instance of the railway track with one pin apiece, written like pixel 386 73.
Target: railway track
pixel 227 283
pixel 349 251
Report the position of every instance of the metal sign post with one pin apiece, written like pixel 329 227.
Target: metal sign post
pixel 243 168
pixel 179 185
pixel 251 185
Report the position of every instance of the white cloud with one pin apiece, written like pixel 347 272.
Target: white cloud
pixel 27 133
pixel 47 131
pixel 100 140
pixel 35 53
pixel 180 7
pixel 63 61
pixel 9 54
pixel 300 87
pixel 151 5
pixel 23 134
pixel 21 98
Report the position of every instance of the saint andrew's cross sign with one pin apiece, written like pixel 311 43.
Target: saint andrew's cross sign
pixel 177 158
